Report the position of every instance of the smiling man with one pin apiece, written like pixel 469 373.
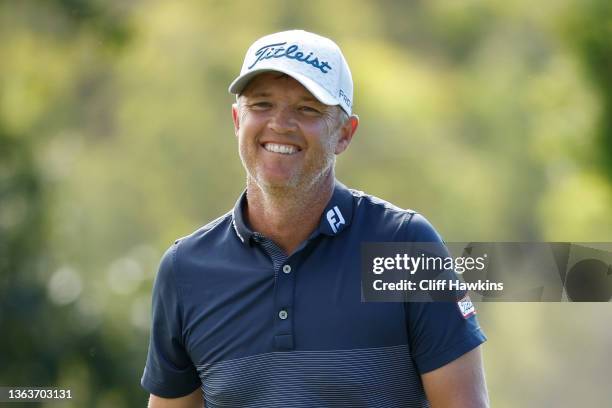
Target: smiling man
pixel 262 307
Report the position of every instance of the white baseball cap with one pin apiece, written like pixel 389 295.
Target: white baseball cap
pixel 314 61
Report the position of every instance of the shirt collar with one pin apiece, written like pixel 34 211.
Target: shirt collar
pixel 338 212
pixel 336 216
pixel 241 228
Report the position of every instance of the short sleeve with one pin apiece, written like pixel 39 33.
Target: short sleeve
pixel 438 331
pixel 169 371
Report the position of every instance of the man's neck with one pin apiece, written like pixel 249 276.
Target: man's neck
pixel 287 216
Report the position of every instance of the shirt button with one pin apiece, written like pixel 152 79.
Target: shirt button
pixel 287 268
pixel 282 314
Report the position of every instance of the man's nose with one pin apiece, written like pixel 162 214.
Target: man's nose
pixel 283 120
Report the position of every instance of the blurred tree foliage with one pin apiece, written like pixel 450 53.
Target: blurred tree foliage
pixel 589 29
pixel 492 118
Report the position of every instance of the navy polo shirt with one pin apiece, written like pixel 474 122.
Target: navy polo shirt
pixel 253 327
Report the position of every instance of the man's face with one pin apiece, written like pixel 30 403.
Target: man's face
pixel 286 137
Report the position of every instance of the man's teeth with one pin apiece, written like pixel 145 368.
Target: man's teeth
pixel 280 148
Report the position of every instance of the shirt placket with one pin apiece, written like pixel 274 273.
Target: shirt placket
pixel 284 290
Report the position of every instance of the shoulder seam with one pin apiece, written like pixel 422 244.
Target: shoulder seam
pixel 206 227
pixel 397 209
pixel 179 295
pixel 408 216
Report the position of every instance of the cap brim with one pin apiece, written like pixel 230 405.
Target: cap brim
pixel 238 85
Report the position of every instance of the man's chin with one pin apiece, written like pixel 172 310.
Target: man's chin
pixel 278 185
pixel 288 185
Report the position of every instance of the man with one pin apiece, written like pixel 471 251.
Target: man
pixel 262 307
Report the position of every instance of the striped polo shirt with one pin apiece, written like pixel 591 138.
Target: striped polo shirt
pixel 253 327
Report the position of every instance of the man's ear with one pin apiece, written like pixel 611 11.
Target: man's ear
pixel 236 117
pixel 347 131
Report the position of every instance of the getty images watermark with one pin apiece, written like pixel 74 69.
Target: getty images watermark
pixel 487 271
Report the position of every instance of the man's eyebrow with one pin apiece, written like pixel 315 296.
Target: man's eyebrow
pixel 307 98
pixel 258 94
pixel 266 94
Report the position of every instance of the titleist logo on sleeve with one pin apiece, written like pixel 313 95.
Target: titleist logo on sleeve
pixel 279 50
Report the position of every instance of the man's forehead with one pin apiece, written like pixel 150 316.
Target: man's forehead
pixel 268 83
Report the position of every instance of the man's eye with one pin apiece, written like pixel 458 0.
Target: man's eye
pixel 309 109
pixel 261 105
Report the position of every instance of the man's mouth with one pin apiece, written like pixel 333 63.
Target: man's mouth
pixel 281 148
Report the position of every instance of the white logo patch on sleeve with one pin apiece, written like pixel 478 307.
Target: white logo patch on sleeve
pixel 466 307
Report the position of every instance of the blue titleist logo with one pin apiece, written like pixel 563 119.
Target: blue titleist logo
pixel 292 52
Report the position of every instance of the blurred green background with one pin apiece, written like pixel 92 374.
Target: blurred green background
pixel 493 118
